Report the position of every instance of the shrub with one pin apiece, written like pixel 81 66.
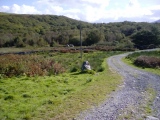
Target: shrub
pixel 88 71
pixel 101 69
pixel 74 69
pixel 146 61
pixel 30 65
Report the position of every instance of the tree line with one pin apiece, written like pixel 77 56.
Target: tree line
pixel 51 30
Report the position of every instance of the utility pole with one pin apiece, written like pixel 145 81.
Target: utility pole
pixel 80 40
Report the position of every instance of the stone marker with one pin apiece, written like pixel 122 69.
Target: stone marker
pixel 86 66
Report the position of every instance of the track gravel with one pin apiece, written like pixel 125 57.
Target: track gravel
pixel 133 99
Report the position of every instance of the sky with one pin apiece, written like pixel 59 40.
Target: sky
pixel 93 11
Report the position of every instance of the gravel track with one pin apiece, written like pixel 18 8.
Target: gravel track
pixel 132 96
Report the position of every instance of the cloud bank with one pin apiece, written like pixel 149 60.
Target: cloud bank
pixel 91 10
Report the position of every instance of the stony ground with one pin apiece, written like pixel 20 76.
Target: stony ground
pixel 138 98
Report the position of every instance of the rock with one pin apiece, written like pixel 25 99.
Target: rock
pixel 151 118
pixel 86 66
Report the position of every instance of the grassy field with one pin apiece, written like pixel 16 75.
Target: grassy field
pixel 60 96
pixel 132 57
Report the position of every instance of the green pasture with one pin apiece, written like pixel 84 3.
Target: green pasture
pixel 60 96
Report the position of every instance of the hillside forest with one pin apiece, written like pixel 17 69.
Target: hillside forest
pixel 51 30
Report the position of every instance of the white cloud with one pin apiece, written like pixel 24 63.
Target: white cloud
pixel 134 3
pixel 4 8
pixel 132 10
pixel 155 7
pixel 98 10
pixel 73 16
pixel 89 10
pixel 57 9
pixel 96 1
pixel 155 18
pixel 24 9
pixel 16 8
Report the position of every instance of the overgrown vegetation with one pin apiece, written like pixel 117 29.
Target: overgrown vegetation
pixel 30 65
pixel 49 30
pixel 57 96
pixel 148 60
pixel 145 61
pixel 48 63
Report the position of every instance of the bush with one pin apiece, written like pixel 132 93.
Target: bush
pixel 88 71
pixel 30 65
pixel 74 69
pixel 146 61
pixel 101 69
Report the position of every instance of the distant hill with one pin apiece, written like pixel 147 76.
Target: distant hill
pixel 158 21
pixel 21 30
pixel 31 29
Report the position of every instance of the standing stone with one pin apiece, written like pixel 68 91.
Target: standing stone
pixel 86 66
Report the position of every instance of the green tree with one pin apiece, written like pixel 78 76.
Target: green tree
pixel 75 41
pixel 144 38
pixel 93 37
pixel 18 42
pixel 41 42
pixel 156 31
pixel 128 30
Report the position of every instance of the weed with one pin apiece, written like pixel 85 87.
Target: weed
pixel 9 97
pixel 27 117
pixel 65 80
pixel 88 72
pixel 101 69
pixel 50 102
pixel 74 69
pixel 26 95
pixel 1 76
pixel 89 80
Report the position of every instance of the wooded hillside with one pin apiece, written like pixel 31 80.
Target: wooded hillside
pixel 51 30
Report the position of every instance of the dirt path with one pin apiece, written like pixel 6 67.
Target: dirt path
pixel 137 98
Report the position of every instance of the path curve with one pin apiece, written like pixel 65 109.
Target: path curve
pixel 132 96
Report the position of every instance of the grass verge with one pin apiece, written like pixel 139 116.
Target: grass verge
pixel 54 97
pixel 151 94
